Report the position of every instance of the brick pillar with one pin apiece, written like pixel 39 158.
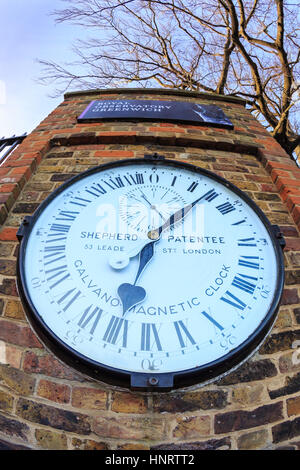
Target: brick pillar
pixel 44 404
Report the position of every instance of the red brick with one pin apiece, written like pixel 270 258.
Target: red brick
pixel 9 188
pixel 280 173
pixel 48 365
pixel 7 199
pixel 124 137
pixel 116 133
pixel 280 182
pixel 285 191
pixel 292 201
pixel 23 171
pixel 283 166
pixel 8 287
pixel 296 213
pixel 17 178
pixel 175 130
pixel 4 170
pixel 292 244
pixel 269 188
pixel 53 391
pixel 8 234
pixel 114 153
pixel 290 296
pixel 18 334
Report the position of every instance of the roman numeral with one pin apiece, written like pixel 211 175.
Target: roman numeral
pixel 96 190
pixel 67 215
pixel 116 327
pixel 90 317
pixel 210 195
pixel 116 183
pixel 55 272
pixel 183 334
pixel 233 300
pixel 212 320
pixel 60 228
pixel 192 187
pixel 149 337
pixel 68 298
pixel 225 208
pixel 60 269
pixel 241 283
pixel 173 180
pixel 81 203
pixel 244 261
pixel 54 253
pixel 54 250
pixel 239 222
pixel 246 242
pixel 138 178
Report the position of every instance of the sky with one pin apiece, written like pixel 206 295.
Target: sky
pixel 28 33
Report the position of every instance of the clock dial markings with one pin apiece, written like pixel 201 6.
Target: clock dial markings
pixel 240 222
pixel 149 337
pixel 233 300
pixel 192 187
pixel 183 334
pixel 225 208
pixel 96 190
pixel 182 343
pixel 212 320
pixel 243 261
pixel 115 183
pixel 243 284
pixel 53 260
pixel 80 203
pixel 60 228
pixel 174 180
pixel 90 318
pixel 247 242
pixel 67 276
pixel 117 327
pixel 210 195
pixel 54 250
pixel 67 215
pixel 68 298
pixel 138 178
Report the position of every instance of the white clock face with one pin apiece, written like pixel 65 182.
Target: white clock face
pixel 204 289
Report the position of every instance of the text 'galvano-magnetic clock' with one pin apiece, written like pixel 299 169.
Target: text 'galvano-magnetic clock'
pixel 150 274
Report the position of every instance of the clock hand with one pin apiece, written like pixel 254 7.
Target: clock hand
pixel 152 206
pixel 119 261
pixel 180 214
pixel 131 294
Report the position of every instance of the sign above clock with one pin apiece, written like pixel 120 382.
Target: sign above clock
pixel 178 111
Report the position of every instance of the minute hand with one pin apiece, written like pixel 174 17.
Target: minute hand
pixel 180 214
pixel 147 251
pixel 131 294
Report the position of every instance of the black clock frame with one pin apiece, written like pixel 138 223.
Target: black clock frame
pixel 153 381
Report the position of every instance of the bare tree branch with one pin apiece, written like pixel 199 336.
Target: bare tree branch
pixel 246 48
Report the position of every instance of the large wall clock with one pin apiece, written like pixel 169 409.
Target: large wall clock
pixel 150 274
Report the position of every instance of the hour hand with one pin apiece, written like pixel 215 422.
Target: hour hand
pixel 120 260
pixel 131 294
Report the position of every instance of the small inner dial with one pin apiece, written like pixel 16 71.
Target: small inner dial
pixel 149 206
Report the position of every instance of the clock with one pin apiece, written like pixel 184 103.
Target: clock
pixel 150 274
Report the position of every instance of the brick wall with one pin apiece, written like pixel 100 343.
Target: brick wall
pixel 44 404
